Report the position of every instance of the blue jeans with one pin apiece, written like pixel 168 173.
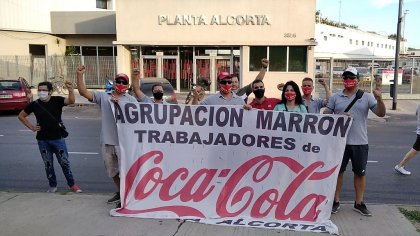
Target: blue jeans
pixel 59 148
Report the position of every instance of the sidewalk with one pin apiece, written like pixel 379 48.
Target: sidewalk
pixel 59 214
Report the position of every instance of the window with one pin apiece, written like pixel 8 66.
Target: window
pixel 105 51
pixel 386 45
pixel 297 58
pixel 37 50
pixel 89 51
pixel 278 57
pixel 101 4
pixel 325 38
pixel 377 45
pixel 357 42
pixel 351 41
pixel 363 43
pixel 255 55
pixel 282 58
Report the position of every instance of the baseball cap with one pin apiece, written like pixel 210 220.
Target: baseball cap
pixel 224 75
pixel 122 76
pixel 350 71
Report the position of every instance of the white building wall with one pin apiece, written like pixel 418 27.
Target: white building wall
pixel 34 16
pixel 335 42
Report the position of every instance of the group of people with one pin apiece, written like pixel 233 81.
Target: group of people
pixel 350 101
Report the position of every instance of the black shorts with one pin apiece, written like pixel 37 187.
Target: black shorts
pixel 416 145
pixel 358 154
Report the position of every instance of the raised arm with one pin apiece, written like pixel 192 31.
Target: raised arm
pixel 81 86
pixel 377 93
pixel 70 99
pixel 328 92
pixel 198 94
pixel 136 84
pixel 264 65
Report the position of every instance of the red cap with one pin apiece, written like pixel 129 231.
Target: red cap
pixel 224 75
pixel 122 76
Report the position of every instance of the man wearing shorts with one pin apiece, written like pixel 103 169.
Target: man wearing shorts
pixel 400 168
pixel 357 141
pixel 109 135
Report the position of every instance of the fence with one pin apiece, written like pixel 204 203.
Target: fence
pixel 369 71
pixel 37 69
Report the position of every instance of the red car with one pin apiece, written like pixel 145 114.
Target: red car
pixel 15 94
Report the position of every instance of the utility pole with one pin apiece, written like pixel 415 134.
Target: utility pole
pixel 403 28
pixel 339 12
pixel 397 57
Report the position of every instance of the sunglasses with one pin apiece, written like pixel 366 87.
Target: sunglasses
pixel 226 82
pixel 349 77
pixel 121 82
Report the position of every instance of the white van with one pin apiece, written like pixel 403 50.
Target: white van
pixel 373 65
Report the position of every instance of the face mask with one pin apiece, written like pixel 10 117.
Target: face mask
pixel 350 83
pixel 158 95
pixel 259 93
pixel 120 88
pixel 290 95
pixel 307 90
pixel 225 88
pixel 43 95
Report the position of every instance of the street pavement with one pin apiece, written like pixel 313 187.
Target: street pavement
pixel 66 213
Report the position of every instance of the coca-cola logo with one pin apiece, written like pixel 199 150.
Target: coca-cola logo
pixel 233 192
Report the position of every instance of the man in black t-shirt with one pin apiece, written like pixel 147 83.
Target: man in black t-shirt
pixel 48 110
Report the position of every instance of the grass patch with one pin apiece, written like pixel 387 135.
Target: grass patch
pixel 413 216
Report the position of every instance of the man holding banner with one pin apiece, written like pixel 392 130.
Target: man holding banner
pixel 353 102
pixel 225 96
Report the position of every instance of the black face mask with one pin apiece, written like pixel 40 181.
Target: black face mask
pixel 259 93
pixel 158 95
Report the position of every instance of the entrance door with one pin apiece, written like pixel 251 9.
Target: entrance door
pixel 150 66
pixel 162 67
pixel 209 67
pixel 170 70
pixel 202 69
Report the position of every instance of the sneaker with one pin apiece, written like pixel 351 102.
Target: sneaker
pixel 114 199
pixel 118 205
pixel 335 207
pixel 361 208
pixel 52 190
pixel 76 189
pixel 401 170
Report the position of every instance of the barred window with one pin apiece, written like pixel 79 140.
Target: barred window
pixel 101 4
pixel 282 58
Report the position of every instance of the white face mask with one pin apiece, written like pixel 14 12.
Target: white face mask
pixel 43 95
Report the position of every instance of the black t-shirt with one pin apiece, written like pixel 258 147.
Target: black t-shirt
pixel 49 127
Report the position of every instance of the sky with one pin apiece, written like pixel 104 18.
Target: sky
pixel 380 16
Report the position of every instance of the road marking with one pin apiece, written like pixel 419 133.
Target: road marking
pixel 86 118
pixel 85 153
pixel 25 130
pixel 372 161
pixel 1 135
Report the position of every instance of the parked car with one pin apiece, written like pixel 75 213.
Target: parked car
pixel 377 73
pixel 338 71
pixel 406 78
pixel 364 73
pixel 15 94
pixel 146 84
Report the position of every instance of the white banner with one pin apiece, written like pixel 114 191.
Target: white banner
pixel 229 166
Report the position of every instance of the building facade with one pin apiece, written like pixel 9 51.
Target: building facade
pixel 187 41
